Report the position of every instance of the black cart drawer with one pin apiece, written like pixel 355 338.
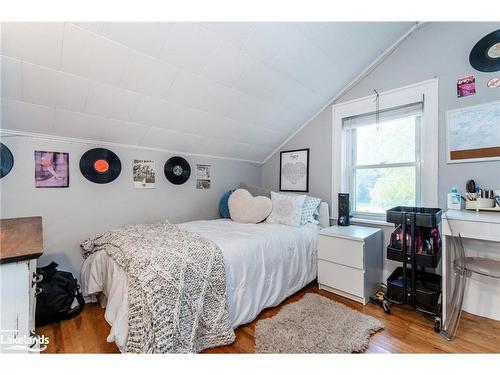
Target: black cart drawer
pixel 428 288
pixel 424 217
pixel 424 260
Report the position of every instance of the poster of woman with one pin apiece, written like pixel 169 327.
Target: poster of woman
pixel 51 169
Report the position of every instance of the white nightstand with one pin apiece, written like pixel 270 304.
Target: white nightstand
pixel 350 261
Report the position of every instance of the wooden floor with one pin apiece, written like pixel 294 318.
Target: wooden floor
pixel 406 331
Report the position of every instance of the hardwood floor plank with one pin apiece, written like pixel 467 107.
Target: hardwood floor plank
pixel 406 331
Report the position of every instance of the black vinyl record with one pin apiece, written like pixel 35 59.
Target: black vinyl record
pixel 6 160
pixel 100 165
pixel 485 56
pixel 177 170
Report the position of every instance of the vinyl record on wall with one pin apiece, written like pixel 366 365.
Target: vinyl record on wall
pixel 485 55
pixel 6 160
pixel 177 170
pixel 100 165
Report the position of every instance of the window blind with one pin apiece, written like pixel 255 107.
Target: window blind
pixel 395 113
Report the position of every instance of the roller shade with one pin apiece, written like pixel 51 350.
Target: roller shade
pixel 409 110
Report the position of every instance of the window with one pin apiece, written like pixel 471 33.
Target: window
pixel 382 163
pixel 390 158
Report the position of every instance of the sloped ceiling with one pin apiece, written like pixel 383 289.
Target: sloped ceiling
pixel 233 90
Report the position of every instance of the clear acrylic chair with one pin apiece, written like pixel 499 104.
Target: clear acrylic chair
pixel 463 268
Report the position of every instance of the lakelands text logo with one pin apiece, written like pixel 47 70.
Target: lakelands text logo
pixel 11 341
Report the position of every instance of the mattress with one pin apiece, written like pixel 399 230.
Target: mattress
pixel 264 264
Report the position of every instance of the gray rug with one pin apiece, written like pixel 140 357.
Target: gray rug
pixel 315 324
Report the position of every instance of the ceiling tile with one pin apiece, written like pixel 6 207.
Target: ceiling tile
pixel 148 75
pixel 77 52
pixel 146 37
pixel 174 141
pixel 156 112
pixel 262 82
pixel 26 117
pixel 36 42
pixel 12 84
pixel 308 64
pixel 202 123
pixel 111 102
pixel 268 39
pixel 197 92
pixel 124 132
pixel 54 88
pixel 92 56
pixel 189 46
pixel 78 125
pixel 95 27
pixel 226 65
pixel 236 33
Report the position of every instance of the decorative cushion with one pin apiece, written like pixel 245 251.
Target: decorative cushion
pixel 287 209
pixel 244 208
pixel 310 210
pixel 223 207
pixel 256 190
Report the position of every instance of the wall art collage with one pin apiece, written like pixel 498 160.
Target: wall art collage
pixel 102 166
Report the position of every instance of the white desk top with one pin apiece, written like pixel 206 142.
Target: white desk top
pixel 469 215
pixel 351 232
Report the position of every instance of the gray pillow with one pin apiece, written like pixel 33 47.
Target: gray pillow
pixel 256 190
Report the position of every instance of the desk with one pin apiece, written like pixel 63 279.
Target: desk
pixel 483 228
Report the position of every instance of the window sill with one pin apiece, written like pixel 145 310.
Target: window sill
pixel 357 220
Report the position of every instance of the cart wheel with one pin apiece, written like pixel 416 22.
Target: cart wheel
pixel 437 325
pixel 386 306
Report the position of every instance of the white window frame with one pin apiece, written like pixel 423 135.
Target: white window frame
pixel 427 163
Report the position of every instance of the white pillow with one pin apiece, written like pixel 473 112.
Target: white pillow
pixel 287 209
pixel 244 208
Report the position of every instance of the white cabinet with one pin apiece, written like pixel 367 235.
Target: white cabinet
pixel 17 310
pixel 350 261
pixel 20 245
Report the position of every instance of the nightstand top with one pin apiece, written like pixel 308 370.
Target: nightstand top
pixel 351 232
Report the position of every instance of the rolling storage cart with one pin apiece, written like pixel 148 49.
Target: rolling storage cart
pixel 416 243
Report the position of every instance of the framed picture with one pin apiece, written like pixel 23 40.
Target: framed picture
pixel 144 174
pixel 466 86
pixel 203 176
pixel 473 133
pixel 51 169
pixel 294 170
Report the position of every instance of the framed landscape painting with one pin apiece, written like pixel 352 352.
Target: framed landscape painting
pixel 473 133
pixel 294 170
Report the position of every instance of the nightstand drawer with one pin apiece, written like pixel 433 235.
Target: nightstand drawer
pixel 341 250
pixel 346 279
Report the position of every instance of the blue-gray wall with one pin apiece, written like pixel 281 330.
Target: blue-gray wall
pixel 71 215
pixel 438 49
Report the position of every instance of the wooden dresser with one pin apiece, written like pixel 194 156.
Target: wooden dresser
pixel 21 243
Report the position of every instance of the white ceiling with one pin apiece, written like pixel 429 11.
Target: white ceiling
pixel 233 90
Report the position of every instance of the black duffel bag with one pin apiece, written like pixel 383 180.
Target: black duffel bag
pixel 55 294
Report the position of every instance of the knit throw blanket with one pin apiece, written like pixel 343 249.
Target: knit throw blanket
pixel 176 287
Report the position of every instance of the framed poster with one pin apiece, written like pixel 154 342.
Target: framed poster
pixel 51 169
pixel 473 133
pixel 294 170
pixel 144 174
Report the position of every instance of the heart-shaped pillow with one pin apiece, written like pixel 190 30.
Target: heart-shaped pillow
pixel 245 208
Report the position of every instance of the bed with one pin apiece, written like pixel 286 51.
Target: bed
pixel 263 264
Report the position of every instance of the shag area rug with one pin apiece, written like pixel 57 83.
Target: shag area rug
pixel 315 324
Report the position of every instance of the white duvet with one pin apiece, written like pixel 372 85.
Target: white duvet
pixel 264 264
